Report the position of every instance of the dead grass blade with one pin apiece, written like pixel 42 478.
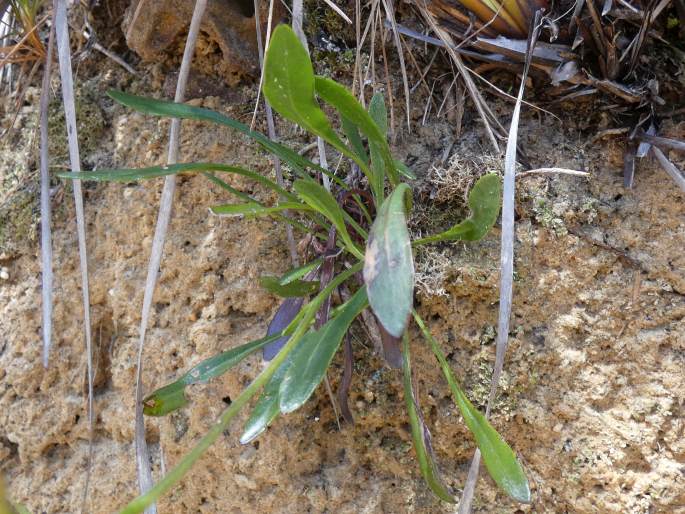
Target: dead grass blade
pixel 142 453
pixel 489 119
pixel 338 10
pixel 629 165
pixel 669 167
pixel 390 14
pixel 64 54
pixel 45 211
pixel 506 260
pixel 663 142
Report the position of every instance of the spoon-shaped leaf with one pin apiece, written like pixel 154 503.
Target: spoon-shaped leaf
pixel 420 434
pixel 484 201
pixel 388 264
pixel 171 397
pixel 499 458
pixel 314 354
pixel 289 85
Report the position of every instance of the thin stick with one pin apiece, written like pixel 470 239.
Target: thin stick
pixel 338 10
pixel 64 54
pixel 563 171
pixel 142 453
pixel 271 128
pixel 45 208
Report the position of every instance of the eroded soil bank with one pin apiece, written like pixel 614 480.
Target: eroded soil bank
pixel 592 399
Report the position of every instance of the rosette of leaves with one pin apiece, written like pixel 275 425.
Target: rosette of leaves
pixel 360 258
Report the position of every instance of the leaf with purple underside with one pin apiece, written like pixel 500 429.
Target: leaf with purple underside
pixel 284 315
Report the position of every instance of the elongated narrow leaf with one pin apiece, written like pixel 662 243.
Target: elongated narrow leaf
pixel 132 174
pixel 404 170
pixel 322 200
pixel 499 458
pixel 352 133
pixel 379 115
pixel 266 409
pixel 256 209
pixel 388 264
pixel 420 433
pixel 484 201
pixel 314 354
pixel 289 85
pixel 292 289
pixel 299 272
pixel 169 109
pixel 347 105
pixel 171 397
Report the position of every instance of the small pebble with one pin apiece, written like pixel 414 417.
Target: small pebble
pixel 4 274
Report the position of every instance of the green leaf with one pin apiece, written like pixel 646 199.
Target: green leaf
pixel 266 409
pixel 419 432
pixel 171 397
pixel 347 105
pixel 484 202
pixel 498 457
pixel 129 175
pixel 256 209
pixel 217 429
pixel 289 85
pixel 322 200
pixel 379 115
pixel 404 170
pixel 314 354
pixel 292 289
pixel 300 272
pixel 183 111
pixel 352 133
pixel 388 264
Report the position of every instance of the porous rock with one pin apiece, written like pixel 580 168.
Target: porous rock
pixel 227 43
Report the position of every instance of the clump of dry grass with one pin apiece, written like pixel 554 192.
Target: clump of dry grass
pixel 432 269
pixel 454 181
